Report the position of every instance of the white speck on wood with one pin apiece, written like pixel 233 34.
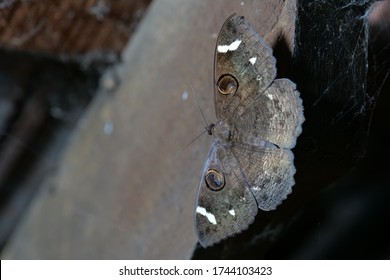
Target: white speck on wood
pixel 184 96
pixel 108 128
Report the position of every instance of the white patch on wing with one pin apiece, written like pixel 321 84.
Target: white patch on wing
pixel 208 215
pixel 232 47
pixel 253 60
pixel 270 96
pixel 232 212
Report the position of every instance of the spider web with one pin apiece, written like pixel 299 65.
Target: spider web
pixel 332 46
pixel 331 69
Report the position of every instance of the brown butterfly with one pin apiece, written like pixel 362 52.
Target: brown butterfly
pixel 250 164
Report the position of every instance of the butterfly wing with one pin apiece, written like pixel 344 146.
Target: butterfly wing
pixel 246 94
pixel 225 211
pixel 241 53
pixel 269 172
pixel 275 116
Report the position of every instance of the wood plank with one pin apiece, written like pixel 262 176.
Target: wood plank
pixel 70 27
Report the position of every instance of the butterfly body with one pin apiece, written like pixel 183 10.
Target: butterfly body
pixel 250 165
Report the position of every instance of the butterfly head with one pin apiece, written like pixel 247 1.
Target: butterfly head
pixel 223 132
pixel 209 129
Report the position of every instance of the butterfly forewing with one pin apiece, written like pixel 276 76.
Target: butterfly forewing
pixel 229 210
pixel 243 54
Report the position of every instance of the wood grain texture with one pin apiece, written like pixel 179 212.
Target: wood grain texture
pixel 128 192
pixel 68 26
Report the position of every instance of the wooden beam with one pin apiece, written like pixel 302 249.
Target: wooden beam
pixel 69 27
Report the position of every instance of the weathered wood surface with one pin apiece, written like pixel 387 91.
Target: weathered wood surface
pixel 68 27
pixel 125 188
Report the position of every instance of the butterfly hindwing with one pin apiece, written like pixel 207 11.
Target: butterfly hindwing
pixel 275 116
pixel 269 172
pixel 227 211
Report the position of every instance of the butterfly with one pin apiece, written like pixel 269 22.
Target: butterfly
pixel 250 163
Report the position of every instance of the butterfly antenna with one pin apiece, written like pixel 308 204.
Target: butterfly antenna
pixel 189 144
pixel 207 128
pixel 193 140
pixel 200 109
